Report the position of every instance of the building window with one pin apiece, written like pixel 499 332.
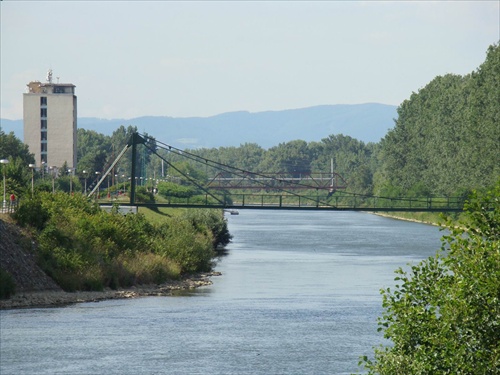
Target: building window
pixel 43 136
pixel 43 159
pixel 43 112
pixel 44 147
pixel 43 100
pixel 43 124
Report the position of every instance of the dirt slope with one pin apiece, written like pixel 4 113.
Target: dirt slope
pixel 17 258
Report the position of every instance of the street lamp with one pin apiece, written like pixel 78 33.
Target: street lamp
pixel 44 164
pixel 4 162
pixel 85 177
pixel 70 171
pixel 98 187
pixel 32 167
pixel 53 170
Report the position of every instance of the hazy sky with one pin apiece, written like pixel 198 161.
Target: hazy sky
pixel 181 59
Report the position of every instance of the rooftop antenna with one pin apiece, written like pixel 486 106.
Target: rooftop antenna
pixel 49 76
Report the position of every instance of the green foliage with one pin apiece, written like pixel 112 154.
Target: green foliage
pixel 11 147
pixel 171 189
pixel 93 150
pixel 182 243
pixel 293 157
pixel 7 285
pixel 32 213
pixel 443 317
pixel 446 137
pixel 142 195
pixel 210 221
pixel 84 248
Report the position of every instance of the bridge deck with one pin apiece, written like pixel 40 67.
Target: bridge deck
pixel 304 208
pixel 311 203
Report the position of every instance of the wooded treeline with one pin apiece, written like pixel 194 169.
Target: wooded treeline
pixel 445 142
pixel 446 139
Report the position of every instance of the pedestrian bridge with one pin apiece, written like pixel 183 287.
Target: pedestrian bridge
pixel 240 201
pixel 234 188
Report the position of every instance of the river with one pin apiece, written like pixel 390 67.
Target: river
pixel 299 294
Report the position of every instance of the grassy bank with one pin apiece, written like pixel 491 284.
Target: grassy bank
pixel 84 248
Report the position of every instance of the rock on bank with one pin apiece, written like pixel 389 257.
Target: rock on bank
pixel 51 298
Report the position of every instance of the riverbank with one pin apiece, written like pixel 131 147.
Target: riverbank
pixel 51 298
pixel 411 219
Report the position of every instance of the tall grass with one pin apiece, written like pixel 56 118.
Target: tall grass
pixel 84 248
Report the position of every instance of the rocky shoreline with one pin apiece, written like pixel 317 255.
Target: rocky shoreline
pixel 51 298
pixel 396 217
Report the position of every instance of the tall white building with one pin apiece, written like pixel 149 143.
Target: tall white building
pixel 49 111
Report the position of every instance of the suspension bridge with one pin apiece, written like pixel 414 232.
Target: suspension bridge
pixel 233 188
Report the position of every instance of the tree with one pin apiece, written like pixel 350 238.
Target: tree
pixel 446 136
pixel 291 157
pixel 12 147
pixel 443 317
pixel 94 149
pixel 17 170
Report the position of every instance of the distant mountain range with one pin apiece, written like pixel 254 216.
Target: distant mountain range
pixel 366 122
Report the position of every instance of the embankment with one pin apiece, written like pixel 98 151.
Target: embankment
pixel 35 289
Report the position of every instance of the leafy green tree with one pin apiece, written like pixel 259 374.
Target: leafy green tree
pixel 292 157
pixel 17 171
pixel 351 159
pixel 446 136
pixel 443 316
pixel 12 147
pixel 94 150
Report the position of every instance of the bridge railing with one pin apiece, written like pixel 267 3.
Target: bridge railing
pixel 347 202
pixel 334 202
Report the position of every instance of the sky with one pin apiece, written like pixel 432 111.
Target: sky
pixel 198 59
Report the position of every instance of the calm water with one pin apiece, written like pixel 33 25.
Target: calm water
pixel 299 295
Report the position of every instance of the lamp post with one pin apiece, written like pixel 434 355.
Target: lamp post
pixel 116 185
pixel 4 162
pixel 109 193
pixel 98 187
pixel 85 177
pixel 32 167
pixel 43 170
pixel 70 171
pixel 53 172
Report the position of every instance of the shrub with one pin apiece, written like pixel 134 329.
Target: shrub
pixel 7 285
pixel 210 220
pixel 84 248
pixel 32 213
pixel 170 189
pixel 182 243
pixel 443 316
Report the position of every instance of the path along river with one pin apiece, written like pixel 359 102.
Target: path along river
pixel 299 294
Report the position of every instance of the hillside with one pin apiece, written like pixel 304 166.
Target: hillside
pixel 366 122
pixel 17 259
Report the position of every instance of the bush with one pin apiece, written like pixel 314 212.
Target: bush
pixel 32 213
pixel 443 316
pixel 84 248
pixel 7 285
pixel 212 221
pixel 171 189
pixel 182 243
pixel 142 195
